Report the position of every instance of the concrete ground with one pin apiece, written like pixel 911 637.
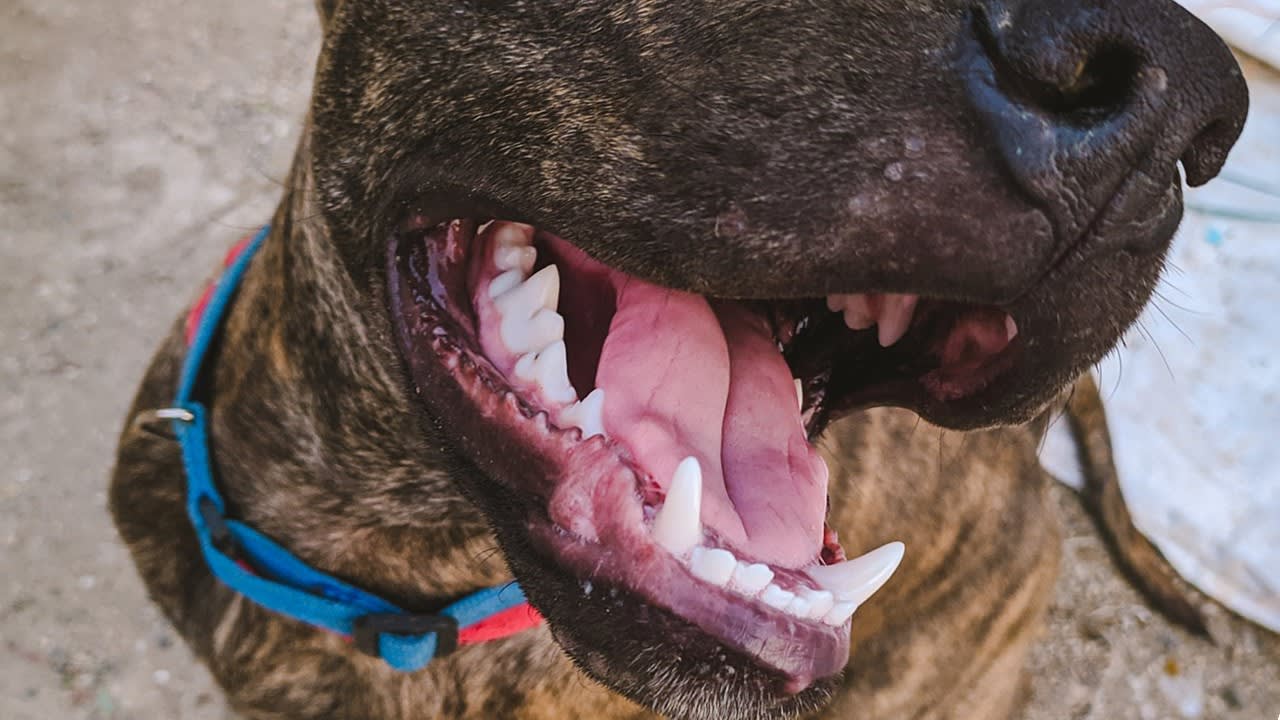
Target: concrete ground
pixel 137 140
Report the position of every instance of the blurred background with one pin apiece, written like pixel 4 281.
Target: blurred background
pixel 138 140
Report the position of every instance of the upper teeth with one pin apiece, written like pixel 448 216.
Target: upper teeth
pixel 530 328
pixel 891 313
pixel 550 370
pixel 587 413
pixel 841 588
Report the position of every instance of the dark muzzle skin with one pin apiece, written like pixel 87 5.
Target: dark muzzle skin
pixel 1091 105
pixel 1019 154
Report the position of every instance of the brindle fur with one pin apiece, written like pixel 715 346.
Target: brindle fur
pixel 319 442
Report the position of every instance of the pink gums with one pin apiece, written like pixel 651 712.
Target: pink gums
pixel 685 377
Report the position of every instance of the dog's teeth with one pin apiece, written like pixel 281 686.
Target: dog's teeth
pixel 820 602
pixel 853 581
pixel 1010 328
pixel 678 524
pixel 540 291
pixel 531 334
pixel 798 607
pixel 515 257
pixel 587 414
pixel 504 282
pixel 839 613
pixel 551 373
pixel 800 393
pixel 835 303
pixel 858 314
pixel 751 579
pixel 896 312
pixel 776 597
pixel 512 234
pixel 712 565
pixel 524 367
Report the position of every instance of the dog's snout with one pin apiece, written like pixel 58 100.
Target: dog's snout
pixel 1089 102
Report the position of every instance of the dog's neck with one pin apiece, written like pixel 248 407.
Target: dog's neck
pixel 316 440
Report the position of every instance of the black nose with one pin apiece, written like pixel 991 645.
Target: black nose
pixel 1092 103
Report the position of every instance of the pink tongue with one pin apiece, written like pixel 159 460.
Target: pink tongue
pixel 682 379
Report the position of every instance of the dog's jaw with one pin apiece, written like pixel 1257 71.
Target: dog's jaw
pixel 740 560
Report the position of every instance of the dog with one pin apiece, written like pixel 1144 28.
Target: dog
pixel 601 296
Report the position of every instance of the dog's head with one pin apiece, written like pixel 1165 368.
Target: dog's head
pixel 636 255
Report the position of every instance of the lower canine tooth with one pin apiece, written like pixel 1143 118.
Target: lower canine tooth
pixel 776 597
pixel 587 414
pixel 712 565
pixel 853 581
pixel 678 524
pixel 751 579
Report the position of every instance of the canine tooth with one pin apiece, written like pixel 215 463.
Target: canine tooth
pixel 515 257
pixel 504 282
pixel 820 602
pixel 776 597
pixel 839 613
pixel 678 524
pixel 588 414
pixel 798 607
pixel 1010 327
pixel 540 291
pixel 853 581
pixel 531 334
pixel 800 393
pixel 551 372
pixel 713 565
pixel 753 578
pixel 895 317
pixel 512 234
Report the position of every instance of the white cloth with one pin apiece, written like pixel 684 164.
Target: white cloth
pixel 1251 25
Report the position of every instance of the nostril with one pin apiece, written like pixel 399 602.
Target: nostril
pixel 1079 88
pixel 1207 152
pixel 1101 86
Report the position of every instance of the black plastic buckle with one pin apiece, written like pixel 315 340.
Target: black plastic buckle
pixel 219 533
pixel 368 628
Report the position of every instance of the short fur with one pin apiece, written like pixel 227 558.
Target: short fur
pixel 734 148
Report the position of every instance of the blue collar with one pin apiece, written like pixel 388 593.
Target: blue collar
pixel 264 572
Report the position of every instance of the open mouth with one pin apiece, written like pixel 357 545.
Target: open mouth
pixel 661 441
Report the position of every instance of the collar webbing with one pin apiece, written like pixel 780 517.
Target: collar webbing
pixel 264 572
